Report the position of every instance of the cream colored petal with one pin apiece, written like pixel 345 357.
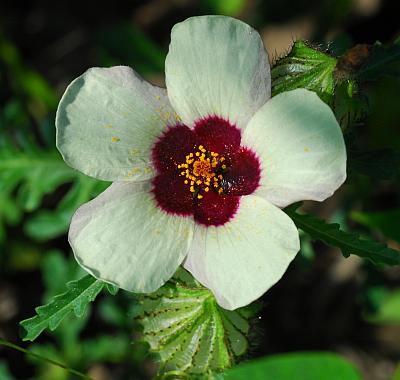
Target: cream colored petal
pixel 217 65
pixel 107 122
pixel 242 259
pixel 122 237
pixel 300 146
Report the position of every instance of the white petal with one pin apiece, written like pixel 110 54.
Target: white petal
pixel 107 122
pixel 301 148
pixel 242 259
pixel 122 237
pixel 217 65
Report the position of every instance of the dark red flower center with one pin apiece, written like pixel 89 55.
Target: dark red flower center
pixel 203 171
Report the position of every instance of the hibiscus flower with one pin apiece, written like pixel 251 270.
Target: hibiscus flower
pixel 201 169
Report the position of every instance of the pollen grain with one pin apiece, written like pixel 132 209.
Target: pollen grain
pixel 202 171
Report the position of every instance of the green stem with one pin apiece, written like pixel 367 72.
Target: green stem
pixel 42 358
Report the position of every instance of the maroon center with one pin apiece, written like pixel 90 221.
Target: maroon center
pixel 203 171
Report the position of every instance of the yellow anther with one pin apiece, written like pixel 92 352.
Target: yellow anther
pixel 199 171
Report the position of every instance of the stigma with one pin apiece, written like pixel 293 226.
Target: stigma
pixel 202 171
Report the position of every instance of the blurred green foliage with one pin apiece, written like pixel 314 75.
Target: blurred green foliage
pixel 299 366
pixel 39 193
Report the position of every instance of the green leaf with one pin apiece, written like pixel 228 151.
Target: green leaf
pixel 26 81
pixel 27 175
pixel 396 375
pixel 126 44
pixel 4 372
pixel 183 324
pixel 48 224
pixel 349 243
pixel 105 348
pixel 305 67
pixel 388 311
pixel 75 300
pixel 383 164
pixel 223 7
pixel 298 366
pixel 383 60
pixel 386 222
pixel 350 105
pixel 30 172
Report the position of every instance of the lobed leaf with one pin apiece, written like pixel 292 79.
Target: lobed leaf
pixel 349 243
pixel 75 300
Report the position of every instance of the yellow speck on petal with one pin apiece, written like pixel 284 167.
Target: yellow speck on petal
pixel 108 126
pixel 199 196
pixel 134 152
pixel 115 139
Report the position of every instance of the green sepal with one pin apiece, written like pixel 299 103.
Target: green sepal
pixel 189 332
pixel 305 67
